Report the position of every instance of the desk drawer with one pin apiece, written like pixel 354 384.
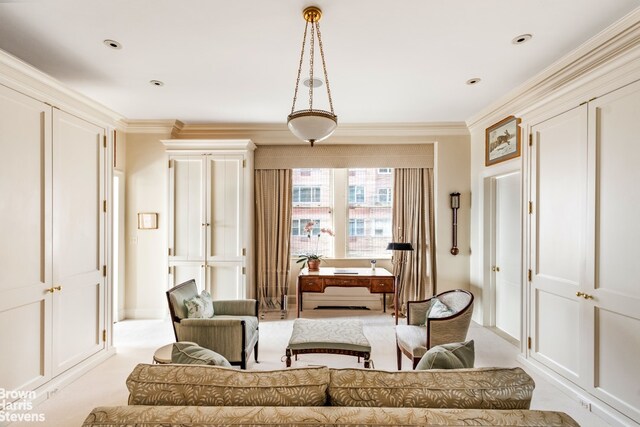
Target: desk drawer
pixel 346 281
pixel 382 285
pixel 311 284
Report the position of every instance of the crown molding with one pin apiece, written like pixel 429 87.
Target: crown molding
pixel 209 144
pixel 32 82
pixel 172 127
pixel 619 39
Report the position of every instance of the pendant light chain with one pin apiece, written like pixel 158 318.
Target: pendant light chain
pixel 295 93
pixel 311 54
pixel 324 67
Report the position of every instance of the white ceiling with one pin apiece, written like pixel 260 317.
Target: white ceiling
pixel 236 61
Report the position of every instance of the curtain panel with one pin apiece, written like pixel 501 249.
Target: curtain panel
pixel 413 222
pixel 273 190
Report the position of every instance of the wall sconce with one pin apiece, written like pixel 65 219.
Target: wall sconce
pixel 455 204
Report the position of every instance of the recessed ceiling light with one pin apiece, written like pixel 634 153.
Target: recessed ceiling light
pixel 522 38
pixel 112 44
pixel 474 81
pixel 316 82
pixel 156 82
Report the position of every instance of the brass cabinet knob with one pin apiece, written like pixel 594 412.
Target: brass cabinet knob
pixel 498 269
pixel 57 288
pixel 49 290
pixel 583 295
pixel 579 294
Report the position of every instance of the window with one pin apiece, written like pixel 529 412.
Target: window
pixel 356 227
pixel 384 196
pixel 382 227
pixel 356 194
pixel 312 201
pixel 306 194
pixel 355 203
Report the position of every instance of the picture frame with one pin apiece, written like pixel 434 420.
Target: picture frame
pixel 147 221
pixel 503 141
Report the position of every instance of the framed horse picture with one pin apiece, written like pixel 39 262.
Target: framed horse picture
pixel 502 141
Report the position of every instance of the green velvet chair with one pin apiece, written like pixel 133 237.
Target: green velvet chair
pixel 232 331
pixel 422 332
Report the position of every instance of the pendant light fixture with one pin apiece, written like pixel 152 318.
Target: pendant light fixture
pixel 312 125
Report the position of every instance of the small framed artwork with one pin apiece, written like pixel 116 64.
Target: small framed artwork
pixel 147 221
pixel 502 141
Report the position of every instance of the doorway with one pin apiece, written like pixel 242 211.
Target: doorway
pixel 118 246
pixel 506 256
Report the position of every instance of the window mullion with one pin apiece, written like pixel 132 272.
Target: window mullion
pixel 340 212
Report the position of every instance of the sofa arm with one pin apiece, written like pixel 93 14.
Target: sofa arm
pixel 245 307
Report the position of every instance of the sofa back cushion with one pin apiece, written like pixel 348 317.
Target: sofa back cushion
pixel 195 385
pixel 479 388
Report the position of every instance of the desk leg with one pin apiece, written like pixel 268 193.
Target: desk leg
pixel 299 295
pixel 395 298
pixel 384 302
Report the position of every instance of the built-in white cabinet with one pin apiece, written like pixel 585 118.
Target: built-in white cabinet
pixel 584 293
pixel 52 223
pixel 211 215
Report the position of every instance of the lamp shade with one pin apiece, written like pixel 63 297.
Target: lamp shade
pixel 399 246
pixel 312 125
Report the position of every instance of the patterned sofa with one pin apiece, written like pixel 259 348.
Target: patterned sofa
pixel 192 395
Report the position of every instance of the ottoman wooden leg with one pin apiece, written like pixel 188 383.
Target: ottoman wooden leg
pixel 288 361
pixel 367 361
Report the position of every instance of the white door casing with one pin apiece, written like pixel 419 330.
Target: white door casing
pixel 507 266
pixel 78 240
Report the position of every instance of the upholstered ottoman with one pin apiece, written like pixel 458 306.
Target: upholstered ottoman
pixel 340 336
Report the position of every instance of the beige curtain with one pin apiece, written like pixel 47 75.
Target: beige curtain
pixel 273 189
pixel 413 222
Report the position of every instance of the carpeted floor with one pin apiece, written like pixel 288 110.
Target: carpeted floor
pixel 136 341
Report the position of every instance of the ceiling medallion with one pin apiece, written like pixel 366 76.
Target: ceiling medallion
pixel 312 125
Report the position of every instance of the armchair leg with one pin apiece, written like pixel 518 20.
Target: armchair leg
pixel 255 352
pixel 399 357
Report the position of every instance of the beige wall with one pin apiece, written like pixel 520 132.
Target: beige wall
pixel 146 278
pixel 146 190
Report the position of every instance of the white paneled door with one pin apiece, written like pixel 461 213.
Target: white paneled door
pixel 78 240
pixel 507 269
pixel 558 192
pixel 612 302
pixel 25 252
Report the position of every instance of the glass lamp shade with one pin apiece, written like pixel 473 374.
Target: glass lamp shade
pixel 312 125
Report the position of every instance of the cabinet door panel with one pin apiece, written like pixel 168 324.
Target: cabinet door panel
pixel 613 268
pixel 186 208
pixel 25 215
pixel 181 272
pixel 224 202
pixel 78 239
pixel 558 224
pixel 225 280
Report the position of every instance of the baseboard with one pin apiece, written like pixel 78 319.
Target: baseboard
pixel 49 389
pixel 598 407
pixel 145 313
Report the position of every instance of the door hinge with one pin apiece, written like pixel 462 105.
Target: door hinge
pixel 104 141
pixel 529 343
pixel 104 335
pixel 104 205
pixel 244 270
pixel 529 274
pixel 169 270
pixel 169 164
pixel 104 271
pixel 244 251
pixel 530 207
pixel 530 139
pixel 244 163
pixel 169 251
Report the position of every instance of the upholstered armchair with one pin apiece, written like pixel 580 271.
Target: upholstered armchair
pixel 422 332
pixel 231 332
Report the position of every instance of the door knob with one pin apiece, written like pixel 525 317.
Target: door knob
pixel 50 290
pixel 587 296
pixel 57 288
pixel 580 294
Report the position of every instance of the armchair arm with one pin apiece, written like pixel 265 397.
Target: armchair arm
pixel 244 307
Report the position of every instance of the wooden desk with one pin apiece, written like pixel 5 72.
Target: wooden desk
pixel 379 281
